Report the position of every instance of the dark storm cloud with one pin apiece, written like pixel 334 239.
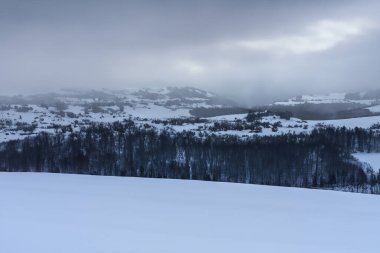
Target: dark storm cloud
pixel 252 50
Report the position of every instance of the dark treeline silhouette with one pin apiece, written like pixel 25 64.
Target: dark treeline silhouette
pixel 321 159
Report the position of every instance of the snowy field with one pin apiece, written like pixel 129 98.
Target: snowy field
pixel 374 108
pixel 373 159
pixel 363 122
pixel 44 213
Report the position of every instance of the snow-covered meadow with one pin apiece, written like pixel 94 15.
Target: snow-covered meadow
pixel 373 159
pixel 73 213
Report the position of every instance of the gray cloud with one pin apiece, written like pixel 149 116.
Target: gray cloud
pixel 321 36
pixel 254 51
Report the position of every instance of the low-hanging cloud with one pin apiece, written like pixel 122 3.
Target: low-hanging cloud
pixel 253 51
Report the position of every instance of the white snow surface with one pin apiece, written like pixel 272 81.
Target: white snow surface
pixel 145 107
pixel 364 122
pixel 373 159
pixel 324 99
pixel 315 99
pixel 44 213
pixel 375 108
pixel 229 117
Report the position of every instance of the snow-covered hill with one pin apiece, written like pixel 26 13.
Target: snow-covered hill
pixel 331 106
pixel 371 159
pixel 73 213
pixel 361 98
pixel 22 116
pixel 135 102
pixel 168 108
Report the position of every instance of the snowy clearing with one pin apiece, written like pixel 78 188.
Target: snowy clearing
pixel 375 108
pixel 363 122
pixel 373 159
pixel 72 213
pixel 332 98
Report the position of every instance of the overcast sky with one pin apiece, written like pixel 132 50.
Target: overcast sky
pixel 254 51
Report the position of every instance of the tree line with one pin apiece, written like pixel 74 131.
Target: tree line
pixel 321 159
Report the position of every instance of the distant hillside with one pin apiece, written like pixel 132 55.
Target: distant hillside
pixel 331 106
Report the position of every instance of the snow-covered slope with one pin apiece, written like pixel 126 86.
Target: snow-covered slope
pixel 372 159
pixel 364 98
pixel 44 213
pixel 363 122
pixel 375 108
pixel 151 103
pixel 24 116
pixel 18 125
pixel 317 99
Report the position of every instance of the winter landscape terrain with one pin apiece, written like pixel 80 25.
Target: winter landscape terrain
pixel 189 126
pixel 187 133
pixel 128 133
pixel 43 213
pixel 168 108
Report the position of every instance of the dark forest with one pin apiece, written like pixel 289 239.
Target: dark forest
pixel 321 159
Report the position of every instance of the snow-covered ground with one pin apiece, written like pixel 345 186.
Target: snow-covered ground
pixel 44 121
pixel 28 116
pixel 230 117
pixel 373 159
pixel 326 99
pixel 315 99
pixel 364 122
pixel 23 116
pixel 72 213
pixel 375 108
